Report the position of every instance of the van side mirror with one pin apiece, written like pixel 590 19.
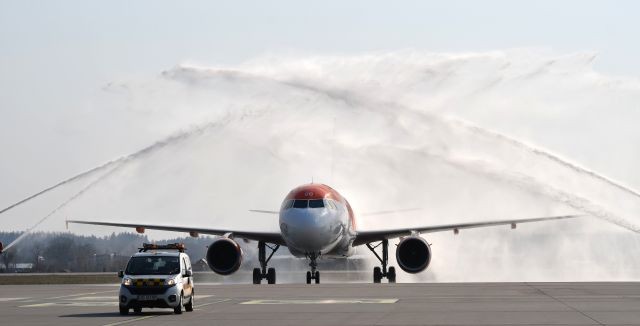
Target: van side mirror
pixel 120 274
pixel 188 273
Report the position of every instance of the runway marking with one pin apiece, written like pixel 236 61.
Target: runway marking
pixel 78 295
pixel 204 296
pixel 110 298
pixel 130 320
pixel 71 304
pixel 210 303
pixel 97 302
pixel 153 316
pixel 323 301
pixel 12 299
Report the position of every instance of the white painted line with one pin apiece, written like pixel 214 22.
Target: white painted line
pixel 12 299
pixel 109 298
pixel 78 295
pixel 323 301
pixel 71 304
pixel 210 303
pixel 130 321
pixel 147 317
pixel 91 303
pixel 203 296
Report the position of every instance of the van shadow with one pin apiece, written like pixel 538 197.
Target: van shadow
pixel 117 314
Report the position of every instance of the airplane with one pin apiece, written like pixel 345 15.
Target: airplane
pixel 318 222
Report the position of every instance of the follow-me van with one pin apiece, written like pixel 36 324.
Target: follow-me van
pixel 158 276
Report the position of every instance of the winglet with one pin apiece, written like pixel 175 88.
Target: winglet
pixel 66 223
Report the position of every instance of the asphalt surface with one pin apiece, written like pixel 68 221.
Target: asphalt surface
pixel 338 304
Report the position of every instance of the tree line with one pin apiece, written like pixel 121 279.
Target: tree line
pixel 46 252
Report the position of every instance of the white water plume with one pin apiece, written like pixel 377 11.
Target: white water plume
pixel 394 131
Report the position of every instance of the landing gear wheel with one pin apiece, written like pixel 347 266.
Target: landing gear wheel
pixel 124 310
pixel 271 276
pixel 263 272
pixel 377 275
pixel 391 275
pixel 380 273
pixel 257 276
pixel 189 306
pixel 178 309
pixel 137 310
pixel 313 274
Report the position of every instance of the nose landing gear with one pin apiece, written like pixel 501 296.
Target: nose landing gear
pixel 263 273
pixel 313 274
pixel 380 273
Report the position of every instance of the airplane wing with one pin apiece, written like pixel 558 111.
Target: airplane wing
pixel 264 211
pixel 363 237
pixel 270 237
pixel 363 214
pixel 390 212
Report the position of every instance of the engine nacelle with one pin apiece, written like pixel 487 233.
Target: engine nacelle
pixel 413 254
pixel 224 256
pixel 1 247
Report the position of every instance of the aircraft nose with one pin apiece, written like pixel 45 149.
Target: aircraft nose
pixel 308 229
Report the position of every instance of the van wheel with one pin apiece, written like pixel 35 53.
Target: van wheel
pixel 178 309
pixel 124 310
pixel 189 306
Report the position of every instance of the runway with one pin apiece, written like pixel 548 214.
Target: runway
pixel 338 304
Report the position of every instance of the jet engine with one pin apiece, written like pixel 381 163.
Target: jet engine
pixel 413 254
pixel 224 256
pixel 1 247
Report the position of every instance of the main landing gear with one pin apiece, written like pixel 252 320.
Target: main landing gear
pixel 263 272
pixel 313 274
pixel 379 274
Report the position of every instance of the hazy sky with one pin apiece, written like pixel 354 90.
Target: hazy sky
pixel 57 56
pixel 83 82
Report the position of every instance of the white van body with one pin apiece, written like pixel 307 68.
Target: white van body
pixel 157 279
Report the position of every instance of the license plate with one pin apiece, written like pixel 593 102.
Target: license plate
pixel 147 297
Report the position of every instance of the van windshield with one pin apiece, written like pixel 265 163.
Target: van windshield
pixel 153 265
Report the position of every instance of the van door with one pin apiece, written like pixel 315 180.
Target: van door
pixel 187 282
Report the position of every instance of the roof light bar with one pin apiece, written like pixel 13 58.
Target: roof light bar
pixel 170 246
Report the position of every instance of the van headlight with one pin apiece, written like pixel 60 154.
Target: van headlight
pixel 127 281
pixel 170 281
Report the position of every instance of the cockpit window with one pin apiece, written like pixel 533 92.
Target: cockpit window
pixel 316 203
pixel 330 204
pixel 300 203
